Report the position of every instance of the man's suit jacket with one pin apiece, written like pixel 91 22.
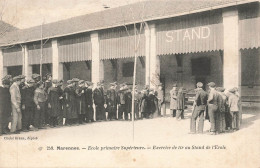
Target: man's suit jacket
pixel 15 95
pixel 201 99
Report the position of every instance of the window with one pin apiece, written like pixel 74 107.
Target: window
pixel 200 66
pixel 128 69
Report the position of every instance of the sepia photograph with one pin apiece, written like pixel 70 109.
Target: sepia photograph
pixel 130 83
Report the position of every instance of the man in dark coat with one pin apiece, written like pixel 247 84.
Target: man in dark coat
pixel 99 100
pixel 70 101
pixel 28 105
pixel 137 103
pixel 213 110
pixel 222 109
pixel 128 103
pixel 152 104
pixel 143 104
pixel 67 102
pixel 54 103
pixel 48 84
pixel 180 104
pixel 5 105
pixel 111 101
pixel 121 101
pixel 89 102
pixel 200 104
pixel 81 101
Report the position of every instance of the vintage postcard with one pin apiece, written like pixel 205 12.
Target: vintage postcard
pixel 130 83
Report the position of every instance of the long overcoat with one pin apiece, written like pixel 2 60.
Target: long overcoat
pixel 54 100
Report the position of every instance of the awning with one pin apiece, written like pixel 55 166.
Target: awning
pixel 192 39
pixel 249 33
pixel 13 56
pixel 75 49
pixel 121 47
pixel 34 53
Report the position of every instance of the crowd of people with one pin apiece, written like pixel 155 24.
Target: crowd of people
pixel 38 103
pixel 221 109
pixel 35 104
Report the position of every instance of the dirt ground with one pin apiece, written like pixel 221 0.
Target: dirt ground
pixel 160 142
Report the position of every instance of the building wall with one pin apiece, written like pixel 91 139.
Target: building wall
pixel 169 70
pixel 77 70
pixel 109 72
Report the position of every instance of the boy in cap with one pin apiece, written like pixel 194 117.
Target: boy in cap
pixel 89 102
pixel 200 103
pixel 111 100
pixel 54 103
pixel 28 105
pixel 40 99
pixel 233 103
pixel 16 124
pixel 5 105
pixel 99 100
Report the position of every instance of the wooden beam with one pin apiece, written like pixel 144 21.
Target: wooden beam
pixel 142 61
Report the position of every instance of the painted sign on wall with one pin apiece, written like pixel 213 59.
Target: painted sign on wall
pixel 193 39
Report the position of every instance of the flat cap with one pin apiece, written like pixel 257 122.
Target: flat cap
pixel 113 84
pixel 75 80
pixel 55 81
pixel 19 77
pixel 30 81
pixel 69 81
pixel 220 89
pixel 232 90
pixel 199 84
pixel 211 84
pixel 89 83
pixel 81 82
pixel 35 76
pixel 22 76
